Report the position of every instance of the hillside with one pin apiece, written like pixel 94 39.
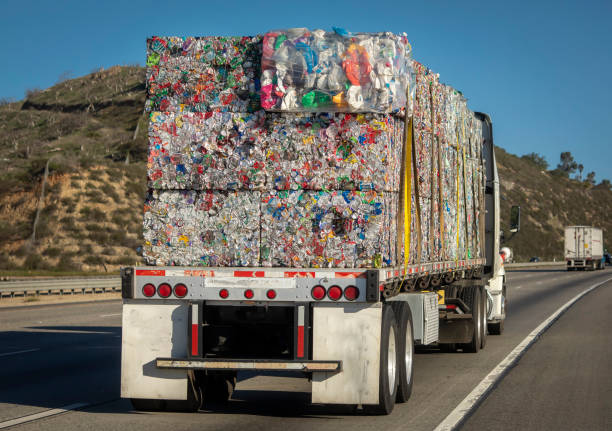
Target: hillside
pixel 91 132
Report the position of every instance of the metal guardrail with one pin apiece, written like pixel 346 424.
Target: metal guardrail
pixel 533 264
pixel 59 286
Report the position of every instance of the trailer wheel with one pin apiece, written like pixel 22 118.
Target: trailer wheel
pixel 406 350
pixel 483 305
pixel 388 373
pixel 472 297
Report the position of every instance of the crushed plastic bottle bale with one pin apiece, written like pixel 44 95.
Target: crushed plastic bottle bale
pixel 334 151
pixel 200 74
pixel 341 229
pixel 321 71
pixel 211 150
pixel 210 228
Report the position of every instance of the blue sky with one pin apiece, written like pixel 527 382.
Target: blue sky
pixel 541 69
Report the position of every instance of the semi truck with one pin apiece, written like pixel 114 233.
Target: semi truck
pixel 584 248
pixel 351 331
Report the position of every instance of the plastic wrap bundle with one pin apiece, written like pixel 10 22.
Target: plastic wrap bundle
pixel 330 151
pixel 202 74
pixel 328 229
pixel 305 70
pixel 212 150
pixel 211 228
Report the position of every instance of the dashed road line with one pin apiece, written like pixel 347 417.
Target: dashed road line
pixel 18 352
pixel 36 416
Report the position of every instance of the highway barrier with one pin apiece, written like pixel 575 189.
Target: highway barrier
pixel 59 286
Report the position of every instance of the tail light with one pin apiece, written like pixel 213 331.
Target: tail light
pixel 248 294
pixel 334 293
pixel 318 292
pixel 451 306
pixel 164 290
pixel 271 294
pixel 351 293
pixel 180 290
pixel 224 293
pixel 148 290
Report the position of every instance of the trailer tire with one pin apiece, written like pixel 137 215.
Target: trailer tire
pixel 403 316
pixel 472 297
pixel 483 305
pixel 388 372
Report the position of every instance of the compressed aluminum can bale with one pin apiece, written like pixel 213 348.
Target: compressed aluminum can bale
pixel 203 73
pixel 326 229
pixel 305 70
pixel 212 150
pixel 424 128
pixel 334 151
pixel 210 228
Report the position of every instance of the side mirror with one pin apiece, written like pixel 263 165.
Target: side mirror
pixel 515 219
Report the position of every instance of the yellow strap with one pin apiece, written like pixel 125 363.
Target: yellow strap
pixel 407 191
pixel 457 202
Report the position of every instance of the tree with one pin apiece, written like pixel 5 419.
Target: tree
pixel 590 178
pixel 537 160
pixel 580 169
pixel 568 165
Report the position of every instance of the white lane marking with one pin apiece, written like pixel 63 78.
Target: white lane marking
pixel 18 352
pixel 41 415
pixel 518 287
pixel 465 407
pixel 110 315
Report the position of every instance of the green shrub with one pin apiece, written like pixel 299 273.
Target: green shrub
pixel 34 261
pixel 52 252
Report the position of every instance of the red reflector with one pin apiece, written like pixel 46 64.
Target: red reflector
pixel 451 307
pixel 300 342
pixel 318 292
pixel 164 290
pixel 180 290
pixel 271 294
pixel 334 293
pixel 248 294
pixel 194 340
pixel 223 293
pixel 148 290
pixel 351 293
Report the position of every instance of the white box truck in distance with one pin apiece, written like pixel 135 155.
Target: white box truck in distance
pixel 584 248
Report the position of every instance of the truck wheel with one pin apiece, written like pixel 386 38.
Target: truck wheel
pixel 406 350
pixel 483 333
pixel 388 373
pixel 472 297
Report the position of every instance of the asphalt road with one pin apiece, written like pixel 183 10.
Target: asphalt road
pixel 54 356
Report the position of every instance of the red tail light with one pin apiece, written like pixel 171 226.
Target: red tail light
pixel 318 292
pixel 148 290
pixel 334 293
pixel 223 293
pixel 351 293
pixel 271 294
pixel 180 290
pixel 248 294
pixel 164 290
pixel 451 306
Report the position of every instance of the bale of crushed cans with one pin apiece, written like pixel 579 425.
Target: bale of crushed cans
pixel 293 172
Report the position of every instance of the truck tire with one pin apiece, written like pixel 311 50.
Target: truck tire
pixel 388 375
pixel 472 297
pixel 483 332
pixel 406 350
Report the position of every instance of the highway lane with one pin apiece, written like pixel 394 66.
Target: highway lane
pixel 442 380
pixel 564 381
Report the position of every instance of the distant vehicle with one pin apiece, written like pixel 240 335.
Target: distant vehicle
pixel 608 258
pixel 534 259
pixel 584 248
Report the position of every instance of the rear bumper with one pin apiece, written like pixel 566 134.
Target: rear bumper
pixel 250 364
